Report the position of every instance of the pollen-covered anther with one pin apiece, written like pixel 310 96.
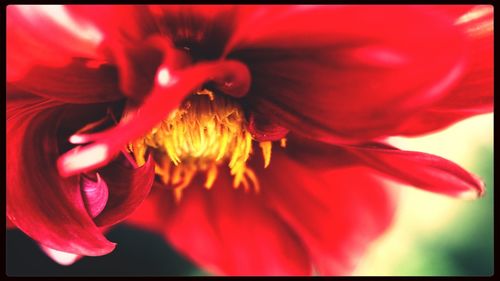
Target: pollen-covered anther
pixel 204 133
pixel 266 147
pixel 283 142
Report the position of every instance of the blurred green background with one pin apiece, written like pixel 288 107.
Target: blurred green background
pixel 432 234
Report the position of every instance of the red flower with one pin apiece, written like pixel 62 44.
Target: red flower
pixel 102 98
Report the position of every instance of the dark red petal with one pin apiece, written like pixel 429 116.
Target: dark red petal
pixel 45 35
pixel 474 93
pixel 128 187
pixel 349 72
pixel 263 129
pixel 45 206
pixel 201 30
pixel 152 213
pixel 421 170
pixel 336 212
pixel 233 233
pixel 76 82
pixel 95 194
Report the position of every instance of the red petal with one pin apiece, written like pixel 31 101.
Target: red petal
pixel 39 202
pixel 128 187
pixel 226 231
pixel 234 233
pixel 335 212
pixel 45 35
pixel 151 214
pixel 95 194
pixel 349 72
pixel 425 171
pixel 76 82
pixel 264 130
pixel 474 92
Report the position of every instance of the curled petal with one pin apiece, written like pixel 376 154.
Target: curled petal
pixel 425 171
pixel 169 90
pixel 264 130
pixel 43 205
pixel 421 170
pixel 62 258
pixel 138 63
pixel 128 188
pixel 359 71
pixel 95 194
pixel 151 213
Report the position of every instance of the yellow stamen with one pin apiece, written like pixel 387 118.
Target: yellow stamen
pixel 283 142
pixel 206 131
pixel 266 147
pixel 139 150
pixel 211 176
pixel 209 93
pixel 178 195
pixel 163 170
pixel 251 175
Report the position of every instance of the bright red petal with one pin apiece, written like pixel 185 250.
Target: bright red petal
pixel 421 170
pixel 474 93
pixel 230 232
pixel 335 212
pixel 120 23
pixel 240 235
pixel 46 207
pixel 45 35
pixel 348 72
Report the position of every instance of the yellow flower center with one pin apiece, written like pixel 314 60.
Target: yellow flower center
pixel 206 131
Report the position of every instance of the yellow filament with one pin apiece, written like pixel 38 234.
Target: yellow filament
pixel 253 178
pixel 139 150
pixel 211 176
pixel 206 131
pixel 266 147
pixel 209 93
pixel 163 170
pixel 283 142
